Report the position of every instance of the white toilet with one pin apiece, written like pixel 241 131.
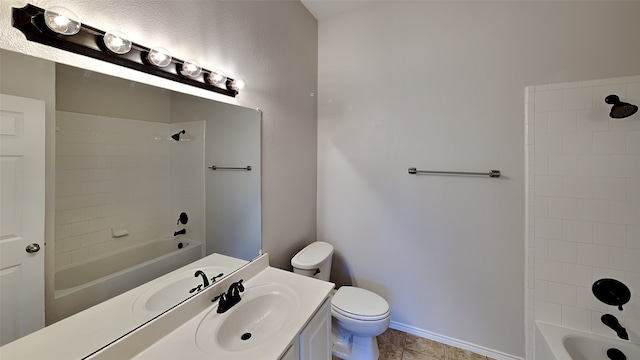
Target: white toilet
pixel 359 315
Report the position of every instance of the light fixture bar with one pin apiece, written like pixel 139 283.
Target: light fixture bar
pixel 89 42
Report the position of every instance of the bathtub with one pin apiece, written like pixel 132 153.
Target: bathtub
pixel 554 342
pixel 82 285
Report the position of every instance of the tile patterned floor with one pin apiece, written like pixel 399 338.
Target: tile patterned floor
pixel 398 345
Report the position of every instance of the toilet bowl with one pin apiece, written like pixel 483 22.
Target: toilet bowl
pixel 359 315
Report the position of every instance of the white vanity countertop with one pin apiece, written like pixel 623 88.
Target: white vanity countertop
pixel 87 331
pixel 181 342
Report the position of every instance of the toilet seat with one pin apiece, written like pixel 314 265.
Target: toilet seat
pixel 359 304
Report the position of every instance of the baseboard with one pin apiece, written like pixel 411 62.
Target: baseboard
pixel 493 354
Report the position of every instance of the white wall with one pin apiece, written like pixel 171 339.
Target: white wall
pixel 583 197
pixel 270 44
pixel 439 86
pixel 233 215
pixel 88 92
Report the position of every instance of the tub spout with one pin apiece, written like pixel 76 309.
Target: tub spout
pixel 181 232
pixel 612 322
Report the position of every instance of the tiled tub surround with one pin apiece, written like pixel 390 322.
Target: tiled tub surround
pixel 110 172
pixel 583 204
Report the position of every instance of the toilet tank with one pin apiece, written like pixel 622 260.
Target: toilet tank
pixel 314 260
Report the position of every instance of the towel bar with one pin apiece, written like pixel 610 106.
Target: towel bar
pixel 214 167
pixel 491 173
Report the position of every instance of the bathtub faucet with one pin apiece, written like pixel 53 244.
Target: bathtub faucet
pixel 181 232
pixel 612 322
pixel 205 281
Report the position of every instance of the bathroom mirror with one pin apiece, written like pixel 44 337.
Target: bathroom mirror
pixel 130 159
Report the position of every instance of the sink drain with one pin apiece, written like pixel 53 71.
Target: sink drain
pixel 245 336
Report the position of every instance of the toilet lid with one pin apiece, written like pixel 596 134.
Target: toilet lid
pixel 312 255
pixel 359 303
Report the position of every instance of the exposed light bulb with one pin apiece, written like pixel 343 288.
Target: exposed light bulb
pixel 159 57
pixel 62 20
pixel 237 84
pixel 117 42
pixel 190 68
pixel 217 78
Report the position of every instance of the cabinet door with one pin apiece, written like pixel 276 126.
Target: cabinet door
pixel 291 353
pixel 315 338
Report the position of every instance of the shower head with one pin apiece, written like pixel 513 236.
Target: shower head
pixel 176 136
pixel 620 110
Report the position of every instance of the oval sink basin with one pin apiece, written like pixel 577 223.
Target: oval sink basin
pixel 263 311
pixel 172 291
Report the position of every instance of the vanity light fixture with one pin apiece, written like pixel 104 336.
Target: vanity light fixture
pixel 62 20
pixel 190 68
pixel 159 57
pixel 237 84
pixel 217 78
pixel 117 42
pixel 60 28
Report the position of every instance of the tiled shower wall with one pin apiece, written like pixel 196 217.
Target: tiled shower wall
pixel 187 178
pixel 109 172
pixel 583 204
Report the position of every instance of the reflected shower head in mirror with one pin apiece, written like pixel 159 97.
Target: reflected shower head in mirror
pixel 176 136
pixel 620 109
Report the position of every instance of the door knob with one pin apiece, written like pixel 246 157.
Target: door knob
pixel 33 248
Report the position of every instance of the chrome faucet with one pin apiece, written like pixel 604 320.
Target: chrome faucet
pixel 232 297
pixel 612 322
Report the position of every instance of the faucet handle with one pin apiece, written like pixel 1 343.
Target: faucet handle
pixel 215 278
pixel 240 286
pixel 222 297
pixel 197 288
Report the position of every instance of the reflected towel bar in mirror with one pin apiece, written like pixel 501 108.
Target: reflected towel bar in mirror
pixel 491 173
pixel 214 167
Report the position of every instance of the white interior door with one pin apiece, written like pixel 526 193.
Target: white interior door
pixel 22 136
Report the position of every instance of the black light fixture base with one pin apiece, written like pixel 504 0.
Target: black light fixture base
pixel 89 42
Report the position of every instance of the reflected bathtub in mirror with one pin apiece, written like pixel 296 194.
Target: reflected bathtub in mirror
pixel 82 285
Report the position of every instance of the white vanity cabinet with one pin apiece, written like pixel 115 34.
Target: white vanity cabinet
pixel 315 338
pixel 314 341
pixel 291 353
pixel 304 334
